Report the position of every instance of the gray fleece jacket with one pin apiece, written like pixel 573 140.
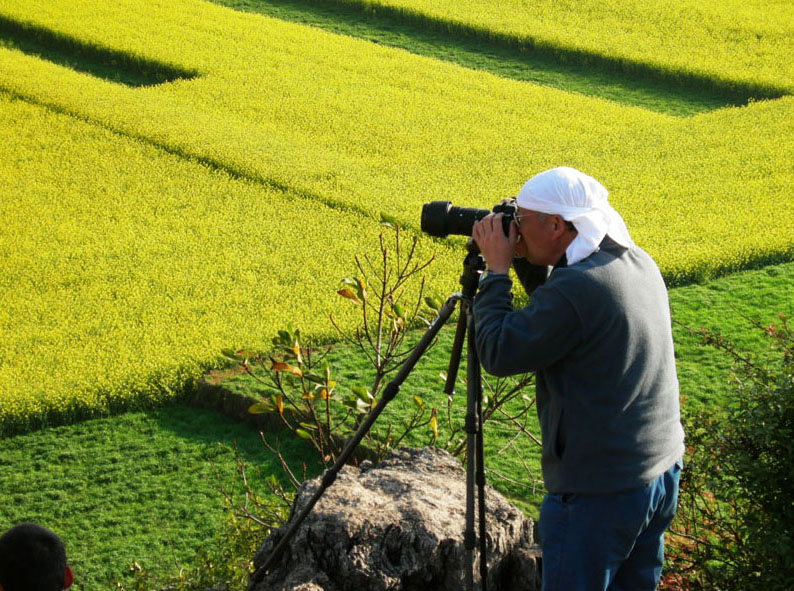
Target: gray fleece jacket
pixel 598 336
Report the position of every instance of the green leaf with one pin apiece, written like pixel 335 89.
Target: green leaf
pixel 357 404
pixel 260 408
pixel 302 434
pixel 313 377
pixel 295 352
pixel 389 221
pixel 358 286
pixel 362 393
pixel 434 303
pixel 398 310
pixel 354 282
pixel 232 354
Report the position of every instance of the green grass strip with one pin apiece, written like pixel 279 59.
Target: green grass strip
pixel 138 488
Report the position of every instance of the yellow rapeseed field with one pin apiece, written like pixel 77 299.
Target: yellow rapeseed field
pixel 737 43
pixel 369 128
pixel 147 227
pixel 124 271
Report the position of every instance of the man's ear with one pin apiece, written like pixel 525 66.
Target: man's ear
pixel 68 578
pixel 559 227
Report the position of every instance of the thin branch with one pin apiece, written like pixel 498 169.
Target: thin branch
pixel 277 452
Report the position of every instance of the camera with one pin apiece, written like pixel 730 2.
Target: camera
pixel 441 218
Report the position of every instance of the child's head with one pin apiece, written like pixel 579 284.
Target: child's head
pixel 32 558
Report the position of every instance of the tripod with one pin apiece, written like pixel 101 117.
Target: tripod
pixel 473 265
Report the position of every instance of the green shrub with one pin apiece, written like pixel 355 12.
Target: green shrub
pixel 735 524
pixel 301 388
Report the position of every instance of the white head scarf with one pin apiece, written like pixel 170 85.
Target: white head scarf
pixel 579 199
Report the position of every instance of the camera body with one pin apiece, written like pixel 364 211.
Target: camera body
pixel 441 218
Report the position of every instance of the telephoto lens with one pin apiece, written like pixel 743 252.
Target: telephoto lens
pixel 441 218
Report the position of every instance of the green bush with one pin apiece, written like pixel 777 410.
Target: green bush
pixel 735 524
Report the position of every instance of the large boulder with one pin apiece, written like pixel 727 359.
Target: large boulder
pixel 398 526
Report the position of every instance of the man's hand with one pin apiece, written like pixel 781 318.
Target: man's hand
pixel 496 248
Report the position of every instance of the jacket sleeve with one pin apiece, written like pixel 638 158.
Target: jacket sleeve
pixel 511 341
pixel 531 276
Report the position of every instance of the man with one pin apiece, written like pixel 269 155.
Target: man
pixel 32 558
pixel 597 333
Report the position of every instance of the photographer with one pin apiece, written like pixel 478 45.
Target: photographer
pixel 597 333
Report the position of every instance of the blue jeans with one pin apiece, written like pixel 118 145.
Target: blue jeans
pixel 611 542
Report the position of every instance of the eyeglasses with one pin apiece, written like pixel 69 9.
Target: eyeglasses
pixel 541 216
pixel 516 218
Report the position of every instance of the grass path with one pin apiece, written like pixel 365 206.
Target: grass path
pixel 139 487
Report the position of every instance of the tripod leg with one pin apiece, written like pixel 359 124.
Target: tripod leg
pixel 475 471
pixel 455 355
pixel 476 450
pixel 481 490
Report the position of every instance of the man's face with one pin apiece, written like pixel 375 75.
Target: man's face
pixel 534 236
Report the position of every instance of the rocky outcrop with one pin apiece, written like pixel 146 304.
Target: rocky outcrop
pixel 398 526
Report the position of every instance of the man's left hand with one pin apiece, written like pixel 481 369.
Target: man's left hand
pixel 496 248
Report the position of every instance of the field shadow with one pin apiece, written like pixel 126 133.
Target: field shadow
pixel 108 64
pixel 203 425
pixel 619 80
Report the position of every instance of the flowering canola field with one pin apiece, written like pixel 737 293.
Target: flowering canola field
pixel 126 270
pixel 145 227
pixel 725 43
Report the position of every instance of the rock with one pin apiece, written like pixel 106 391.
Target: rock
pixel 398 526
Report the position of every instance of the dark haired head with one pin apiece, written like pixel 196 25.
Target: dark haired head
pixel 32 558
